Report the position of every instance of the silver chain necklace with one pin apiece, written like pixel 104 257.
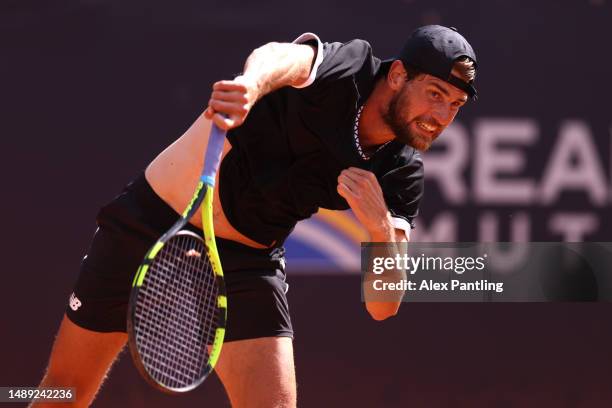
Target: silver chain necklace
pixel 356 136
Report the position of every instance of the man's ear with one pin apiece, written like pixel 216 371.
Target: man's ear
pixel 397 75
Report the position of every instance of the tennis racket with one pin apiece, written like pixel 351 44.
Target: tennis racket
pixel 177 310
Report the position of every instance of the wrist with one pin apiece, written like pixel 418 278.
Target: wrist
pixel 253 85
pixel 383 233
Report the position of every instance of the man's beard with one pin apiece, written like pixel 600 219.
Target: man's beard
pixel 401 128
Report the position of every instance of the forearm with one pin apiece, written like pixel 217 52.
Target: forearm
pixel 389 302
pixel 276 65
pixel 362 191
pixel 268 68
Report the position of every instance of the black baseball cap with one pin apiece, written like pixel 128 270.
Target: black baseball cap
pixel 433 49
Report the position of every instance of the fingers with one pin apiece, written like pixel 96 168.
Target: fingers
pixel 230 96
pixel 229 86
pixel 357 170
pixel 356 188
pixel 351 184
pixel 221 120
pixel 229 108
pixel 226 122
pixel 226 115
pixel 208 113
pixel 358 173
pixel 361 180
pixel 347 194
pixel 230 102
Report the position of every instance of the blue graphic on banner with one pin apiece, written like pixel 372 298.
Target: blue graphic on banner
pixel 328 242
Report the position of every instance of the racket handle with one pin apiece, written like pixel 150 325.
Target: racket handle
pixel 213 155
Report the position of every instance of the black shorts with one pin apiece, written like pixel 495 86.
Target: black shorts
pixel 129 226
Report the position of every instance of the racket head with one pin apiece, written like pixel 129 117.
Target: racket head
pixel 177 312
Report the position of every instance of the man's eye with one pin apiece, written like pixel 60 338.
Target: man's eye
pixel 435 95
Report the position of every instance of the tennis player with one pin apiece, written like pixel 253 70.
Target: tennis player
pixel 310 125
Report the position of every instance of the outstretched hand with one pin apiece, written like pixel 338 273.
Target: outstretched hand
pixel 231 102
pixel 363 193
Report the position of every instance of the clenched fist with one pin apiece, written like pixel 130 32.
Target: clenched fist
pixel 363 193
pixel 231 101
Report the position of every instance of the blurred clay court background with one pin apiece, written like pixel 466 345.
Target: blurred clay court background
pixel 92 90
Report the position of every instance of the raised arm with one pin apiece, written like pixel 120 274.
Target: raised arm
pixel 363 193
pixel 269 67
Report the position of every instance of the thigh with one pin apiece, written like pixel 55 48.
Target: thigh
pixel 259 372
pixel 81 358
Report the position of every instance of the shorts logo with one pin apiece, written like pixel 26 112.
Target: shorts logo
pixel 74 302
